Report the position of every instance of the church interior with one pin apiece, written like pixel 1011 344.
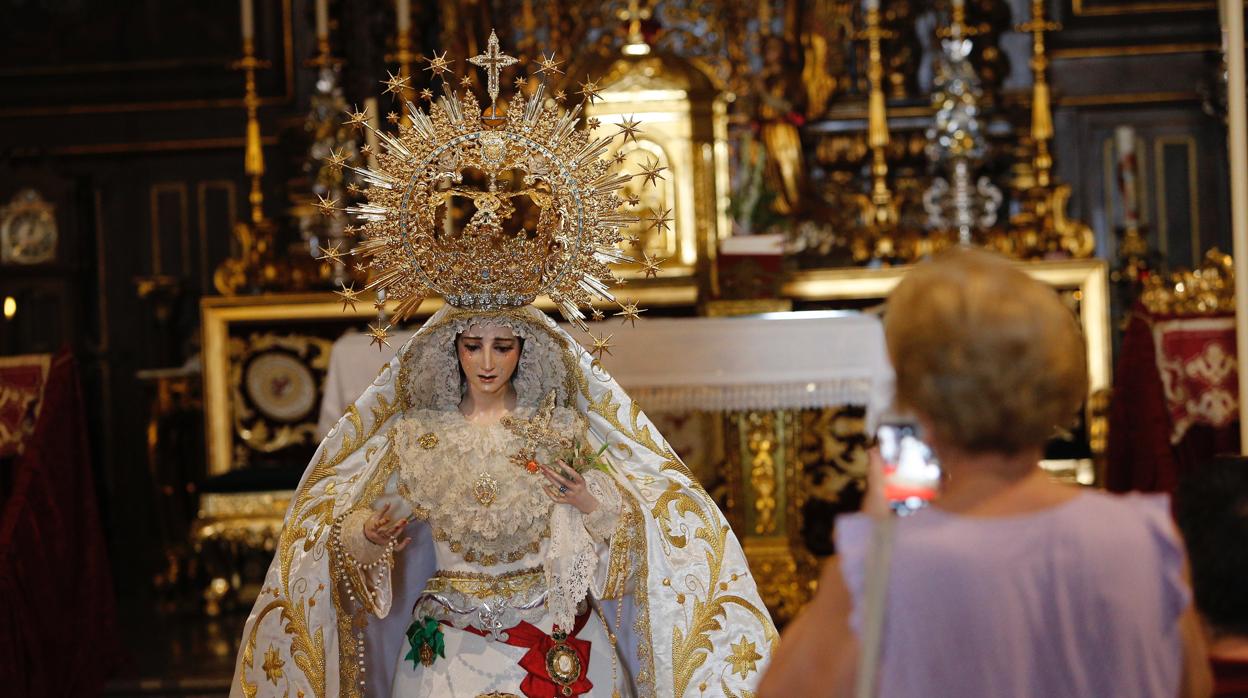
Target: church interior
pixel 183 321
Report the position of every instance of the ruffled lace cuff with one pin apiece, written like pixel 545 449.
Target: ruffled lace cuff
pixel 355 543
pixel 602 522
pixel 367 564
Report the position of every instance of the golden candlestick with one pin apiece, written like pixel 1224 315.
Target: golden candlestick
pixel 958 28
pixel 253 159
pixel 634 14
pixel 324 54
pixel 1041 108
pixel 882 210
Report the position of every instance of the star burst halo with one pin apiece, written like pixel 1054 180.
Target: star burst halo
pixel 528 152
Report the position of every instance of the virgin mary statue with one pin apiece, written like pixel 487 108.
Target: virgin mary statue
pixel 495 516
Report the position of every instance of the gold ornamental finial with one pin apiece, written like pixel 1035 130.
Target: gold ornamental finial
pixel 492 61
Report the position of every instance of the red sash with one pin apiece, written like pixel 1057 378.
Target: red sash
pixel 539 683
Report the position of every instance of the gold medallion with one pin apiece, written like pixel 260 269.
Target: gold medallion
pixel 485 489
pixel 563 664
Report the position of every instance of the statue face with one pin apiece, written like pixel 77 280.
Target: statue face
pixel 488 355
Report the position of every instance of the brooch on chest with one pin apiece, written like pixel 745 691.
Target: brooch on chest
pixel 485 489
pixel 536 433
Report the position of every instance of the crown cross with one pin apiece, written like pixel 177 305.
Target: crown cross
pixel 492 61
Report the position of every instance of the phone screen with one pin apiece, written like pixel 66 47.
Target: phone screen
pixel 911 471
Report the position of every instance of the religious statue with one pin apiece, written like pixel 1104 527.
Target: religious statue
pixel 495 516
pixel 778 121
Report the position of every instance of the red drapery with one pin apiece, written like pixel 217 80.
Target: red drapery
pixel 1175 401
pixel 58 633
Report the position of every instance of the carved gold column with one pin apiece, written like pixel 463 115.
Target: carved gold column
pixel 764 481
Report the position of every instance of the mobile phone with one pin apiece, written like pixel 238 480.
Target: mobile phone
pixel 911 471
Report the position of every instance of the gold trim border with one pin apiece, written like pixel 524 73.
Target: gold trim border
pixel 1110 100
pixel 1162 6
pixel 1133 50
pixel 1163 228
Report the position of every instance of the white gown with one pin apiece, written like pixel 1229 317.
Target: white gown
pixel 505 554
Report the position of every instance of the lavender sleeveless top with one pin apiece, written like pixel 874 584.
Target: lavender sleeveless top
pixel 1079 600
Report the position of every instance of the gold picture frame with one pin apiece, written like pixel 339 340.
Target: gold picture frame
pixel 1086 279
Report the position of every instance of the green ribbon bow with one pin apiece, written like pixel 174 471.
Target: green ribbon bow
pixel 426 632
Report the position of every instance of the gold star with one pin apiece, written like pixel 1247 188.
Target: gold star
pixel 650 265
pixel 633 240
pixel 630 313
pixel 549 65
pixel 332 254
pixel 589 90
pixel 350 230
pixel 661 219
pixel 593 123
pixel 395 84
pixel 379 334
pixel 366 149
pixel 744 657
pixel 349 295
pixel 560 96
pixel 619 157
pixel 521 82
pixel 628 128
pixel 272 664
pixel 393 117
pixel 354 188
pixel 426 94
pixel 465 81
pixel 379 304
pixel 337 158
pixel 651 173
pixel 326 206
pixel 360 268
pixel 356 119
pixel 597 314
pixel 602 346
pixel 439 64
pixel 633 200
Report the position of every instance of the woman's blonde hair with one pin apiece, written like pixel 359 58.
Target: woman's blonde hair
pixel 989 356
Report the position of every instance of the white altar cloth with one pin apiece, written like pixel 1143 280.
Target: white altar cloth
pixel 756 362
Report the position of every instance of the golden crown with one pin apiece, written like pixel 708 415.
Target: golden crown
pixel 528 160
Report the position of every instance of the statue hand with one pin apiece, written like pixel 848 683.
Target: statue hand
pixel 379 530
pixel 568 487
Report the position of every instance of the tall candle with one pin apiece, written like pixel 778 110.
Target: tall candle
pixel 249 20
pixel 322 19
pixel 403 9
pixel 871 5
pixel 1124 137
